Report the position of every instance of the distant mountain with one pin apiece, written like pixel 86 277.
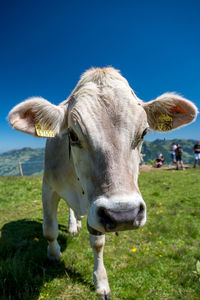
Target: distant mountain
pixel 32 159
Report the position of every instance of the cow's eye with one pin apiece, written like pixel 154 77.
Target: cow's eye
pixel 144 133
pixel 73 138
pixel 139 139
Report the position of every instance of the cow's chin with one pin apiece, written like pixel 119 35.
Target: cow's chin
pixel 116 213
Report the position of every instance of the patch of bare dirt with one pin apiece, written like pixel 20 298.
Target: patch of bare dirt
pixel 147 168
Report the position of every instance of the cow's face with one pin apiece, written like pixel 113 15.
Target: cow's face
pixel 106 137
pixel 106 124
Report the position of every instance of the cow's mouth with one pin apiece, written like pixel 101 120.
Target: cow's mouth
pixel 93 231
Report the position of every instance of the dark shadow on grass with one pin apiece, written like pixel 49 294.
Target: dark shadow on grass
pixel 24 266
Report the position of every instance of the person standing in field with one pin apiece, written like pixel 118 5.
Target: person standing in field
pixel 196 153
pixel 173 156
pixel 178 153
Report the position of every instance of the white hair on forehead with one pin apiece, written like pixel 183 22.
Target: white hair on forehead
pixel 102 76
pixel 103 83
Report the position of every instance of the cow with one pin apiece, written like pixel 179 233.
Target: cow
pixel 92 155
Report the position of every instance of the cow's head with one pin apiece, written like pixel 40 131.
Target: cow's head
pixel 106 123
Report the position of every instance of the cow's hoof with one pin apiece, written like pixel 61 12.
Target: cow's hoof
pixel 54 258
pixel 104 293
pixel 73 231
pixel 101 283
pixel 53 251
pixel 105 297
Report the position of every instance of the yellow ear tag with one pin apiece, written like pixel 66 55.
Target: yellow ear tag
pixel 44 132
pixel 164 123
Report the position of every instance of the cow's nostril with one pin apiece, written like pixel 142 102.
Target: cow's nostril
pixel 141 208
pixel 106 219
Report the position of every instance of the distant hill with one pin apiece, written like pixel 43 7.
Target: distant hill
pixel 32 159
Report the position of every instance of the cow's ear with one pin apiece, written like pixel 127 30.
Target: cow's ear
pixel 37 116
pixel 169 111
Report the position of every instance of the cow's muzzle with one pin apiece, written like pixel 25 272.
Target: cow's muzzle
pixel 111 214
pixel 121 220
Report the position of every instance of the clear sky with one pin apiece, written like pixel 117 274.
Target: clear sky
pixel 46 45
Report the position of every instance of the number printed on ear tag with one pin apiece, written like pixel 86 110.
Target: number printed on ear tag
pixel 164 123
pixel 44 132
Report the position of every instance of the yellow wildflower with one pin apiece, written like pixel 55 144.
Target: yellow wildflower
pixel 36 239
pixel 160 203
pixel 147 249
pixel 134 250
pixel 150 232
pixel 160 255
pixel 161 211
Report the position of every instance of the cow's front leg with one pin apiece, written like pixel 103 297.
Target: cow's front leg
pixel 74 224
pixel 50 201
pixel 100 277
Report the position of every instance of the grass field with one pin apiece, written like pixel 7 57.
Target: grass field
pixel 156 262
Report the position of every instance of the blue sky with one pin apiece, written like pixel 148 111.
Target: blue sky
pixel 46 46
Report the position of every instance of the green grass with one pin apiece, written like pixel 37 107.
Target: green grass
pixel 162 267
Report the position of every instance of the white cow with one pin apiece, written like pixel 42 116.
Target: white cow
pixel 93 161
